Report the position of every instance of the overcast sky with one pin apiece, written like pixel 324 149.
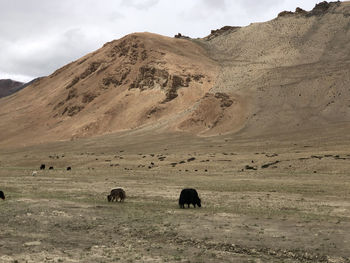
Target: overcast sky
pixel 39 36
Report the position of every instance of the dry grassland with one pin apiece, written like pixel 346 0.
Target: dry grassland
pixel 295 210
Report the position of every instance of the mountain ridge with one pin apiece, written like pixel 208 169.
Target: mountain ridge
pixel 9 86
pixel 283 75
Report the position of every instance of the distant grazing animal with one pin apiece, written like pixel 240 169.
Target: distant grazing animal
pixel 34 173
pixel 116 194
pixel 189 196
pixel 42 167
pixel 69 168
pixel 2 195
pixel 51 168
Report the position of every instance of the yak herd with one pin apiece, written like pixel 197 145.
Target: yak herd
pixel 43 166
pixel 188 196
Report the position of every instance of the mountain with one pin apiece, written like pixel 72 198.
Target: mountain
pixel 9 86
pixel 293 70
pixel 141 79
pixel 285 75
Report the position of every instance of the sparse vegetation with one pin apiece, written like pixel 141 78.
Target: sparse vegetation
pixel 277 215
pixel 271 103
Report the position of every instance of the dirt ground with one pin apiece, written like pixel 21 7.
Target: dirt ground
pixel 295 209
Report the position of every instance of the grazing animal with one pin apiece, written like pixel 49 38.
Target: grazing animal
pixel 2 195
pixel 42 167
pixel 69 168
pixel 34 173
pixel 51 168
pixel 116 194
pixel 189 196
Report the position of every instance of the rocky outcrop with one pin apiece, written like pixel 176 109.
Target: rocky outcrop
pixel 225 100
pixel 221 31
pixel 179 35
pixel 129 50
pixel 151 77
pixel 285 13
pixel 300 11
pixel 117 78
pixel 319 9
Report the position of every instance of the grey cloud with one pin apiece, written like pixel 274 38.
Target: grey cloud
pixel 140 4
pixel 204 10
pixel 255 6
pixel 216 4
pixel 44 57
pixel 39 36
pixel 262 9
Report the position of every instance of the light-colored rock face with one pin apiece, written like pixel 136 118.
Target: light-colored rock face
pixel 286 74
pixel 295 69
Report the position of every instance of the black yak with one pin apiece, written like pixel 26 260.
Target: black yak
pixel 51 168
pixel 116 194
pixel 2 195
pixel 69 168
pixel 189 196
pixel 42 167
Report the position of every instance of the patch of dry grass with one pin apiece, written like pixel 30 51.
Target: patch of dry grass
pixel 273 214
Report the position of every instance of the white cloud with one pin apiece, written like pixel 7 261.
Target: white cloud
pixel 42 55
pixel 214 4
pixel 140 4
pixel 17 77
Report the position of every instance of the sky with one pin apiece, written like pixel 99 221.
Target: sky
pixel 39 36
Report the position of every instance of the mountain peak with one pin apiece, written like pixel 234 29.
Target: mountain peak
pixel 287 74
pixel 321 8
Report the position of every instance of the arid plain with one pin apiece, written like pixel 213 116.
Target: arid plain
pixel 255 118
pixel 295 210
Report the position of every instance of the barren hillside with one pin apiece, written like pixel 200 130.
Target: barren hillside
pixel 287 74
pixel 295 68
pixel 141 79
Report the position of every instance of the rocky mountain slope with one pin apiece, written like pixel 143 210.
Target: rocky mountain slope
pixel 140 80
pixel 295 69
pixel 287 74
pixel 9 86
